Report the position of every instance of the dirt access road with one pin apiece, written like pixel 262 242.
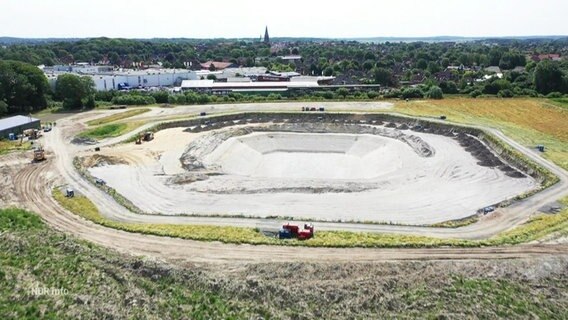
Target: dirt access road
pixel 33 185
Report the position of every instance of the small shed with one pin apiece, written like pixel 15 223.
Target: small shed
pixel 17 125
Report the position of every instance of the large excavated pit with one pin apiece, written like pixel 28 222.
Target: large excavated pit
pixel 307 156
pixel 324 170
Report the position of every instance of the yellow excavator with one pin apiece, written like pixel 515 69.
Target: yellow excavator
pixel 39 154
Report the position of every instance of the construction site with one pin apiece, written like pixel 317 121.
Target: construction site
pixel 272 188
pixel 332 169
pixel 247 166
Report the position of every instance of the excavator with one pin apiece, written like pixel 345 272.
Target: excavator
pixel 39 154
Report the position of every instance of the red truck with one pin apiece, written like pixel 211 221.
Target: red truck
pixel 289 231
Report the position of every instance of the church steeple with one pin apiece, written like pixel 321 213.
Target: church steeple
pixel 266 37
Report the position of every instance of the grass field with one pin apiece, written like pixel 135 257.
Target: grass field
pixel 10 146
pixel 528 121
pixel 110 130
pixel 96 283
pixel 118 116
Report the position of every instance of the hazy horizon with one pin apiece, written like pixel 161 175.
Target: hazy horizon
pixel 295 19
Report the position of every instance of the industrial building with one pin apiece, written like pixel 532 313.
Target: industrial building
pixel 106 80
pixel 210 86
pixel 16 125
pixel 221 80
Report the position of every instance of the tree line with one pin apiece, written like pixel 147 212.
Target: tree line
pixel 452 68
pixel 24 89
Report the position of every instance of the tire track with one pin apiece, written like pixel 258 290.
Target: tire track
pixel 34 182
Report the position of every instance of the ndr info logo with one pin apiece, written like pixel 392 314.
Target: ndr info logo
pixel 44 291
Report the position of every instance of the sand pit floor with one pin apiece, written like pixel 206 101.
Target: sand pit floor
pixel 331 177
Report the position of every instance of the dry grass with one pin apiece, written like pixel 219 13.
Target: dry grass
pixel 536 114
pixel 529 121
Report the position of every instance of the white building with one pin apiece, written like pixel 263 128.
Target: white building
pixel 106 79
pixel 223 87
pixel 142 78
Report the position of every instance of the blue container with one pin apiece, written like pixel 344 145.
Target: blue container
pixel 11 136
pixel 284 234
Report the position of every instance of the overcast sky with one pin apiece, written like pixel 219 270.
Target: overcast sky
pixel 290 18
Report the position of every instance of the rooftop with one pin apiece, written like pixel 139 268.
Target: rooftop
pixel 218 65
pixel 15 121
pixel 210 84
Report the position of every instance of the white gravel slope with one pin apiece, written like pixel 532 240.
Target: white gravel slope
pixel 408 189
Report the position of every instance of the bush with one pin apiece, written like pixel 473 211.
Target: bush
pixel 102 104
pixel 449 87
pixel 274 96
pixel 554 95
pixel 529 92
pixel 130 99
pixel 410 93
pixel 327 95
pixel 506 93
pixel 475 93
pixel 343 92
pixel 191 97
pixel 203 99
pixel 393 94
pixel 105 95
pixel 161 96
pixel 372 94
pixel 177 99
pixel 435 93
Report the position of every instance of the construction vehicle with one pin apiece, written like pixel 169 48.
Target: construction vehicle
pixel 489 209
pixel 148 136
pixel 39 154
pixel 32 134
pixel 289 231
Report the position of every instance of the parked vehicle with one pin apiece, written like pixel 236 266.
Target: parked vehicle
pixel 289 231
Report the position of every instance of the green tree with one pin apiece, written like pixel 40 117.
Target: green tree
pixel 3 108
pixel 23 87
pixel 384 77
pixel 114 58
pixel 449 87
pixel 343 92
pixel 328 72
pixel 74 91
pixel 433 67
pixel 548 77
pixel 409 93
pixel 422 64
pixel 435 92
pixel 475 93
pixel 372 94
pixel 368 65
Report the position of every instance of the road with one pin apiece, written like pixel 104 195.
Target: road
pixel 33 185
